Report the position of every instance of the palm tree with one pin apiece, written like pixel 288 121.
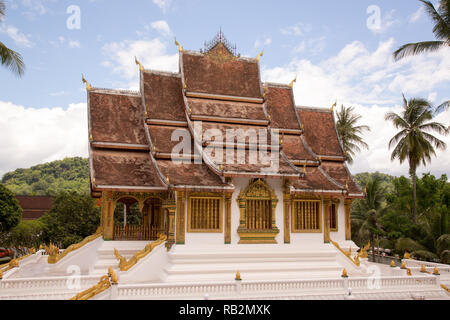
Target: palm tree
pixel 441 30
pixel 413 142
pixel 349 132
pixel 10 58
pixel 366 212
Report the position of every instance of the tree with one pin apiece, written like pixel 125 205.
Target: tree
pixel 72 218
pixel 349 132
pixel 441 30
pixel 10 210
pixel 10 58
pixel 367 212
pixel 413 142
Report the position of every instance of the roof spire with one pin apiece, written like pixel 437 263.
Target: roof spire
pixel 260 55
pixel 292 82
pixel 180 48
pixel 141 67
pixel 88 85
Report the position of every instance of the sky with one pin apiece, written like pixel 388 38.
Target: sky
pixel 339 50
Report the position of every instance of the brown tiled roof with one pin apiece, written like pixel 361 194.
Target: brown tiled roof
pixel 163 96
pixel 314 180
pixel 161 137
pixel 116 118
pixel 124 168
pixel 295 149
pixel 34 207
pixel 189 174
pixel 339 172
pixel 226 109
pixel 281 108
pixel 232 77
pixel 320 131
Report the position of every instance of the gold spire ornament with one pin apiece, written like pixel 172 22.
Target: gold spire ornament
pixel 141 67
pixel 292 82
pixel 333 106
pixel 167 180
pixel 259 56
pixel 88 85
pixel 180 48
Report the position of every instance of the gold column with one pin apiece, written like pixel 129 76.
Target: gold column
pixel 348 224
pixel 228 218
pixel 287 213
pixel 171 207
pixel 181 224
pixel 242 217
pixel 107 212
pixel 326 220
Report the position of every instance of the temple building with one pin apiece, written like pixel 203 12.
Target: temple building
pixel 215 185
pixel 219 189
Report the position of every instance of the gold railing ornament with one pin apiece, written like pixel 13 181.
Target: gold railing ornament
pixel 101 286
pixel 1 274
pixel 423 269
pixel 125 265
pixel 363 252
pixel 445 288
pixel 344 273
pixel 112 274
pixel 408 272
pixel 407 255
pixel 392 264
pixel 238 276
pixel 403 266
pixel 53 251
pixel 435 271
pixel 355 260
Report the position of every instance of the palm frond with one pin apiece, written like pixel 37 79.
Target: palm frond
pixel 441 28
pixel 2 9
pixel 412 49
pixel 12 60
pixel 445 105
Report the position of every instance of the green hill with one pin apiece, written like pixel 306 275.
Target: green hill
pixel 70 174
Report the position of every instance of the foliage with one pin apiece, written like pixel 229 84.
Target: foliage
pixel 72 218
pixel 407 245
pixel 443 244
pixel 445 256
pixel 134 216
pixel 70 174
pixel 413 142
pixel 26 234
pixel 8 57
pixel 10 210
pixel 349 132
pixel 425 255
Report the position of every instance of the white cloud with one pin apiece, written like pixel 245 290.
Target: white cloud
pixel 265 41
pixel 298 29
pixel 31 136
pixel 163 4
pixel 416 15
pixel 151 53
pixel 313 46
pixel 371 82
pixel 162 27
pixel 18 37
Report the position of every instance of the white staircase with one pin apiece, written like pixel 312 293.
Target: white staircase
pixel 254 262
pixel 106 257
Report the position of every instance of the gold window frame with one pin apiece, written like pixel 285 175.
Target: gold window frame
pixel 293 217
pixel 210 196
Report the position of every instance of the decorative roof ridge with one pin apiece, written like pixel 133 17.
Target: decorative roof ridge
pixel 163 73
pixel 116 91
pixel 276 85
pixel 351 177
pixel 317 109
pixel 197 53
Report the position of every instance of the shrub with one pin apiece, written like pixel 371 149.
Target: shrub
pixel 406 244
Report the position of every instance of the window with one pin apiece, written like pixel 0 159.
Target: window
pixel 306 216
pixel 259 215
pixel 334 217
pixel 205 214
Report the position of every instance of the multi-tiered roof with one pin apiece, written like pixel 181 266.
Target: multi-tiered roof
pixel 130 132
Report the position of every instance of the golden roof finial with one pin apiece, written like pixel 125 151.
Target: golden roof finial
pixel 333 106
pixel 180 48
pixel 88 85
pixel 260 55
pixel 292 82
pixel 167 180
pixel 238 276
pixel 304 168
pixel 282 139
pixel 141 67
pixel 346 184
pixel 221 167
